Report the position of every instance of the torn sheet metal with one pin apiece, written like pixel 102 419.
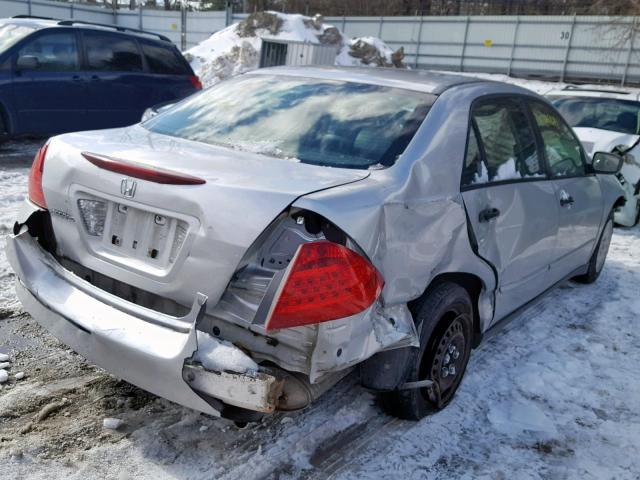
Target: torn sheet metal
pixel 349 341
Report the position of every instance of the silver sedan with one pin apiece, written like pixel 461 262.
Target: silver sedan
pixel 243 250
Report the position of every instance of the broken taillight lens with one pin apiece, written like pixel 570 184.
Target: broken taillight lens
pixel 325 281
pixel 36 194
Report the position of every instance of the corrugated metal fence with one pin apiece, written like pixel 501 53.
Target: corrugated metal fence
pixel 560 47
pixel 557 47
pixel 184 32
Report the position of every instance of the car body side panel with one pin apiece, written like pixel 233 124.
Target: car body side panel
pixel 410 219
pixel 579 223
pixel 520 242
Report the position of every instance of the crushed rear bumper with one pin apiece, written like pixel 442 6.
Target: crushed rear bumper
pixel 146 348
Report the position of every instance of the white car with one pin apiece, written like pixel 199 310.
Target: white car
pixel 607 120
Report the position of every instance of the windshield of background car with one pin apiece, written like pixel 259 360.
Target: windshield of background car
pixel 316 121
pixel 11 33
pixel 605 113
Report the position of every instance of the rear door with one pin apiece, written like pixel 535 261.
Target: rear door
pixel 117 93
pixel 578 195
pixel 169 75
pixel 510 202
pixel 50 98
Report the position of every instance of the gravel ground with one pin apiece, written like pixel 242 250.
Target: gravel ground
pixel 556 394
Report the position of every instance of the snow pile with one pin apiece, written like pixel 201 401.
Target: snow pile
pixel 236 49
pixel 222 356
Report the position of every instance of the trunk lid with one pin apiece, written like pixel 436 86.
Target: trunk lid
pixel 171 240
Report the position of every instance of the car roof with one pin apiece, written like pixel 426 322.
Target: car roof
pixel 419 80
pixel 594 92
pixel 40 23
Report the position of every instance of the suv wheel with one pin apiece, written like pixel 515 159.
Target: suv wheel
pixel 444 317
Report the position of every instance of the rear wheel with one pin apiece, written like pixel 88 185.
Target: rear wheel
pixel 596 263
pixel 445 318
pixel 4 133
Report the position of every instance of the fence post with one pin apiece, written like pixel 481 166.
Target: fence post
pixel 631 40
pixel 115 12
pixel 513 45
pixel 380 27
pixel 419 40
pixel 464 42
pixel 183 26
pixel 344 23
pixel 228 9
pixel 140 23
pixel 29 8
pixel 567 50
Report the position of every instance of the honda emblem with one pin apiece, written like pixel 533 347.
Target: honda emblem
pixel 128 187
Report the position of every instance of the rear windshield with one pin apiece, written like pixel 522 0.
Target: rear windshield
pixel 605 113
pixel 332 123
pixel 164 59
pixel 11 33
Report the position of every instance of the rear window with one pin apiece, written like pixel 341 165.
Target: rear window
pixel 604 113
pixel 164 59
pixel 322 122
pixel 107 52
pixel 11 33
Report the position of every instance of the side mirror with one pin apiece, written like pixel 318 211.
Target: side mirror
pixel 28 62
pixel 605 162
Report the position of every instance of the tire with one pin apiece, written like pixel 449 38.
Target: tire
pixel 4 134
pixel 599 255
pixel 444 318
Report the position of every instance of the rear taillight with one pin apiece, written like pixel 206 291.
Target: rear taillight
pixel 195 81
pixel 36 195
pixel 325 281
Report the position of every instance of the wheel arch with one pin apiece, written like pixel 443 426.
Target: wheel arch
pixel 5 119
pixel 474 286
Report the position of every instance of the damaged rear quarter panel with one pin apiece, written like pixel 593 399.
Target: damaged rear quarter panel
pixel 411 222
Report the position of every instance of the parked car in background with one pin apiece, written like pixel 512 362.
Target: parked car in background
pixel 64 76
pixel 309 220
pixel 608 121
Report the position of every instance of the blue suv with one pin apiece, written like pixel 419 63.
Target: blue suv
pixel 63 76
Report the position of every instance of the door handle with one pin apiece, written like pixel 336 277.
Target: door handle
pixel 488 213
pixel 566 200
pixel 95 77
pixel 76 78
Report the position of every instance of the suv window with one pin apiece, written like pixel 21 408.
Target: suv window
pixel 164 59
pixel 561 147
pixel 106 52
pixel 56 52
pixel 504 147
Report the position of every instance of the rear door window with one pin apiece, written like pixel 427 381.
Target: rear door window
pixel 56 52
pixel 111 53
pixel 561 147
pixel 164 59
pixel 501 144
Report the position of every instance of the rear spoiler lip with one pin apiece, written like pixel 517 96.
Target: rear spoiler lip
pixel 142 171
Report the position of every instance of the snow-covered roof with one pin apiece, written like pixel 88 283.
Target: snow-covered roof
pixel 418 80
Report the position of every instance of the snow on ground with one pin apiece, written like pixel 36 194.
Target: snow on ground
pixel 236 49
pixel 555 394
